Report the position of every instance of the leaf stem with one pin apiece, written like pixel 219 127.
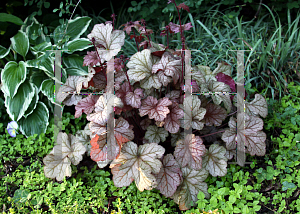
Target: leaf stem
pixel 136 41
pixel 212 133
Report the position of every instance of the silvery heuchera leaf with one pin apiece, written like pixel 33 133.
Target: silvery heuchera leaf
pixel 156 110
pixel 168 178
pixel 101 108
pixel 121 93
pixel 176 137
pixel 134 98
pixel 123 132
pixel 256 107
pixel 137 163
pixel 96 128
pixel 145 123
pixel 219 97
pixel 67 151
pixel 196 116
pixel 205 78
pixel 215 114
pixel 140 69
pixel 111 40
pixel 163 79
pixel 155 134
pixel 188 190
pixel 83 136
pixel 215 161
pixel 174 95
pixel 169 66
pixel 252 136
pixel 172 123
pixel 189 152
pixel 224 68
pixel 63 94
pixel 85 79
pixel 221 77
pixel 86 105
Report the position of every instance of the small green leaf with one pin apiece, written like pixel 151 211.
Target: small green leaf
pixel 5 17
pixel 46 4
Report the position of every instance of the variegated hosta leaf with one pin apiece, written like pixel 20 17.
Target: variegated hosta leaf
pixel 169 66
pixel 215 114
pixel 102 107
pixel 198 113
pixel 215 161
pixel 219 97
pixel 134 98
pixel 112 40
pixel 224 68
pixel 189 152
pixel 140 66
pixel 176 137
pixel 66 92
pixel 188 190
pixel 155 134
pixel 156 110
pixel 172 123
pixel 168 178
pixel 252 136
pixel 137 163
pixel 67 151
pixel 256 107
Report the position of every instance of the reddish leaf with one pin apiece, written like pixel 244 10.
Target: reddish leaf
pixel 99 81
pixel 169 66
pixel 172 123
pixel 168 178
pixel 91 59
pixel 215 114
pixel 176 28
pixel 184 7
pixel 189 152
pixel 156 110
pixel 99 148
pixel 123 132
pixel 145 123
pixel 86 105
pixel 134 98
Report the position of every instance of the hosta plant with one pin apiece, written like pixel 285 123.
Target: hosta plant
pixel 149 117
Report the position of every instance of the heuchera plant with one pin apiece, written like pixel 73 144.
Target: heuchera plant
pixel 150 118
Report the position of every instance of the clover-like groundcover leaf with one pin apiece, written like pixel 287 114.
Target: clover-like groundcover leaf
pixel 188 190
pixel 252 136
pixel 156 110
pixel 58 162
pixel 169 176
pixel 137 163
pixel 215 161
pixel 189 152
pixel 155 134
